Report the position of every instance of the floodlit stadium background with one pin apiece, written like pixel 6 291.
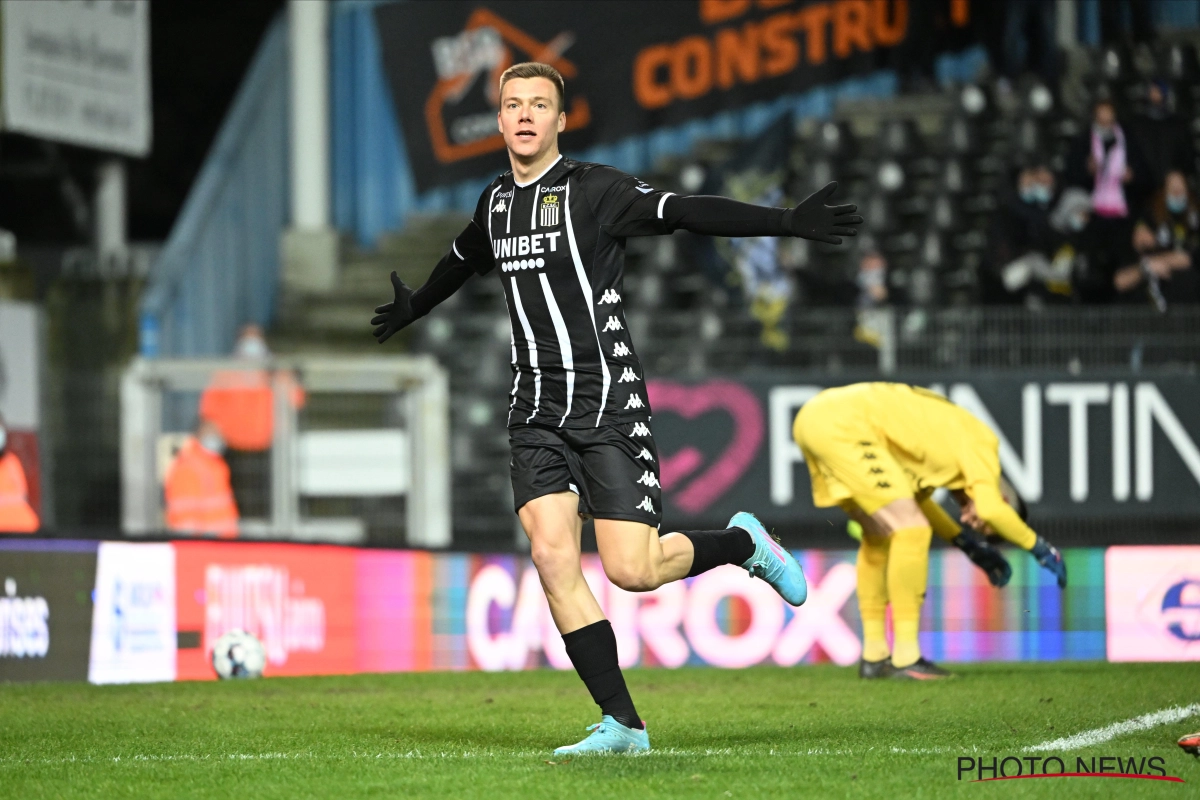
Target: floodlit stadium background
pixel 141 235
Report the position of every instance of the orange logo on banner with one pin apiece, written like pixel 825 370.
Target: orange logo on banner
pixel 298 600
pixel 451 89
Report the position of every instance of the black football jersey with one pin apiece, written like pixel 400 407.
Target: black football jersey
pixel 558 246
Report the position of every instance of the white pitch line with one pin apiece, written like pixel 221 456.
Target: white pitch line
pixel 1100 735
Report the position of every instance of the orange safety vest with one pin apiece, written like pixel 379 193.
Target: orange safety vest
pixel 16 515
pixel 198 493
pixel 239 403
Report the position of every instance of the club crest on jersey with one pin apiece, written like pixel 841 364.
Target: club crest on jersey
pixel 548 212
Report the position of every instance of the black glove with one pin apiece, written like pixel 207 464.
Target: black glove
pixel 395 315
pixel 1048 556
pixel 812 219
pixel 984 556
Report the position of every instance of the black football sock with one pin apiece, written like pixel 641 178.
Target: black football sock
pixel 593 651
pixel 714 548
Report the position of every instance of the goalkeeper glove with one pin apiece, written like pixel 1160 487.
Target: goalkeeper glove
pixel 984 556
pixel 393 316
pixel 812 219
pixel 1048 556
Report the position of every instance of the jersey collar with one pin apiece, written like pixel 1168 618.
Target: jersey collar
pixel 526 185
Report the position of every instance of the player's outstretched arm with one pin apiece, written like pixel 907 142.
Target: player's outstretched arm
pixel 720 216
pixel 469 254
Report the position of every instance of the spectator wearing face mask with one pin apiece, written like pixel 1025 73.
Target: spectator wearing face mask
pixel 16 514
pixel 1021 239
pixel 1165 244
pixel 199 496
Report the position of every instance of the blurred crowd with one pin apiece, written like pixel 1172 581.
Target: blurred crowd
pixel 1044 181
pixel 1119 223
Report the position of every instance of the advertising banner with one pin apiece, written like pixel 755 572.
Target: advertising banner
pixel 320 609
pixel 1103 446
pixel 299 600
pixel 133 621
pixel 724 619
pixel 1153 603
pixel 46 609
pixel 629 66
pixel 78 72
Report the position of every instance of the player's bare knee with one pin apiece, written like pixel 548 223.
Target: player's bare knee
pixel 632 577
pixel 553 560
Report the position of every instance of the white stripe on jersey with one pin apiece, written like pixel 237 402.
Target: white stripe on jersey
pixel 564 341
pixel 533 213
pixel 533 363
pixel 508 214
pixel 491 239
pixel 662 202
pixel 512 342
pixel 589 299
pixel 454 247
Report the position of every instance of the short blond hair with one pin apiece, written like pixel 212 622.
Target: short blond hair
pixel 536 69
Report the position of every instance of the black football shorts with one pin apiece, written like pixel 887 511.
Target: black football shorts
pixel 613 469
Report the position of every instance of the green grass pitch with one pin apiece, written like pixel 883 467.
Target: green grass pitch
pixel 766 732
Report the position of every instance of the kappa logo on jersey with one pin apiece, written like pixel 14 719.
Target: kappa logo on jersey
pixel 634 402
pixel 645 453
pixel 640 429
pixel 646 505
pixel 613 324
pixel 549 211
pixel 500 207
pixel 608 298
pixel 648 479
pixel 627 376
pixel 621 350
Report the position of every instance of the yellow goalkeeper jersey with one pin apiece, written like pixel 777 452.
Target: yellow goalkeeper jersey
pixel 873 443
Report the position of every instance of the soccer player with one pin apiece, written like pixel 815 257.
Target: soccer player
pixel 879 450
pixel 554 230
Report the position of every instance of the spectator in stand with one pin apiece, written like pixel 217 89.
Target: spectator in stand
pixel 240 403
pixel 1102 163
pixel 16 514
pixel 199 497
pixel 1160 139
pixel 1022 239
pixel 872 280
pixel 1165 243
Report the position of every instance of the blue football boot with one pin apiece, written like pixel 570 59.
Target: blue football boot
pixel 608 736
pixel 771 562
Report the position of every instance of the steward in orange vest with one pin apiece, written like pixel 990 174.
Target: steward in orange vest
pixel 241 402
pixel 198 493
pixel 16 515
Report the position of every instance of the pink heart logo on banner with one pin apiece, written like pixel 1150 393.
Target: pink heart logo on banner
pixel 690 402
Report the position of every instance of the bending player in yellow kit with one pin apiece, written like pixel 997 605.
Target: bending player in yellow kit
pixel 879 450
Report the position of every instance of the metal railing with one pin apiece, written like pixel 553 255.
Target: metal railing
pixel 219 268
